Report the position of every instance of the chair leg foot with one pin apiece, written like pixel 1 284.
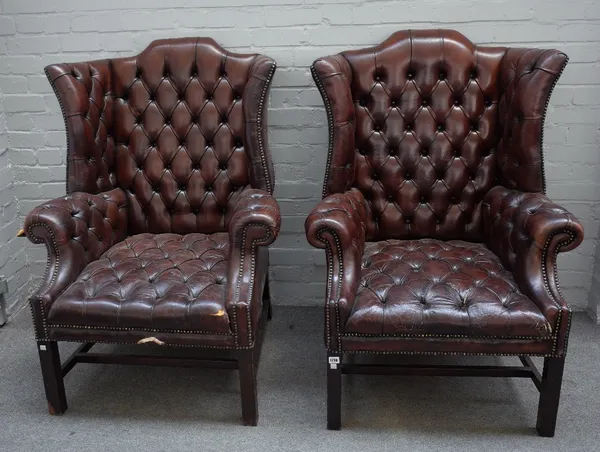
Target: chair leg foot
pixel 52 375
pixel 247 369
pixel 334 391
pixel 549 396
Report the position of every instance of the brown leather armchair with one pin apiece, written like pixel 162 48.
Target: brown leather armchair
pixel 162 236
pixel 438 235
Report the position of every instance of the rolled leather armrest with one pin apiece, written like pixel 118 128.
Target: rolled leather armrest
pixel 254 224
pixel 76 229
pixel 527 231
pixel 337 224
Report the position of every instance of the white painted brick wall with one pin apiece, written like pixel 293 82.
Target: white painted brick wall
pixel 34 33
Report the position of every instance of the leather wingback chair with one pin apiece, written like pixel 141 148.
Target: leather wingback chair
pixel 438 235
pixel 162 235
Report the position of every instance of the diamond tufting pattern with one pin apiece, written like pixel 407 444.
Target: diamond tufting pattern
pixel 417 287
pixel 171 149
pixel 84 93
pixel 437 237
pixel 156 282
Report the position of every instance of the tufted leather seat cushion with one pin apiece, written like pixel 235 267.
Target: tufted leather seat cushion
pixel 430 287
pixel 153 282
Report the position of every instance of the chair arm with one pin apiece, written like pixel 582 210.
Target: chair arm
pixel 337 224
pixel 76 230
pixel 527 231
pixel 255 223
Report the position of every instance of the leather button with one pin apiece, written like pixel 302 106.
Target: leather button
pixel 224 120
pixel 390 198
pixel 152 98
pixel 407 176
pixel 238 97
pixel 408 221
pixel 209 144
pixel 168 167
pixel 425 103
pixel 157 189
pixel 424 151
pixel 140 167
pixel 223 73
pixel 410 76
pixel 377 128
pixel 393 103
pixel 453 199
pixel 375 176
pixel 442 76
pixel 197 166
pixel 456 102
pixel 196 211
pixel 167 122
pixel 440 127
pixel 423 200
pixel 209 97
pixel 473 74
pixel 208 188
pixel 408 128
pixel 223 210
pixel 438 221
pixel 392 151
pixel 488 103
pixel 377 78
pixel 239 144
pixel 362 152
pixel 473 127
pixel 182 188
pixel 223 166
pixel 153 144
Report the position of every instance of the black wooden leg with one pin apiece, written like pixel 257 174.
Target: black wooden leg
pixel 549 396
pixel 247 370
pixel 334 391
pixel 53 377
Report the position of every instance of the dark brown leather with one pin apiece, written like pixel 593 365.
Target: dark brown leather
pixel 430 287
pixel 436 133
pixel 151 282
pixel 84 92
pixel 527 231
pixel 179 133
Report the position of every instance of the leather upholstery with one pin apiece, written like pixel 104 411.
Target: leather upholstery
pixel 437 134
pixel 151 282
pixel 178 136
pixel 456 288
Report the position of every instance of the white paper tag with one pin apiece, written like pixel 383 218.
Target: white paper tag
pixel 333 362
pixel 43 347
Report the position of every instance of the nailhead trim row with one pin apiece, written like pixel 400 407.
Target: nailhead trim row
pixel 220 347
pixel 544 121
pixel 330 282
pixel 150 330
pixel 549 292
pixel 64 115
pixel 330 126
pixel 448 336
pixel 370 352
pixel 36 239
pixel 261 104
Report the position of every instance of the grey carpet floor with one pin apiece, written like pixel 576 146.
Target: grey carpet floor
pixel 130 408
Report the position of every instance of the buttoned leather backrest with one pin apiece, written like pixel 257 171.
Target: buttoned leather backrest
pixel 425 123
pixel 85 97
pixel 180 128
pixel 426 114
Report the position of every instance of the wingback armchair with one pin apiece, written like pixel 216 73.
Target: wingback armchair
pixel 438 235
pixel 162 235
